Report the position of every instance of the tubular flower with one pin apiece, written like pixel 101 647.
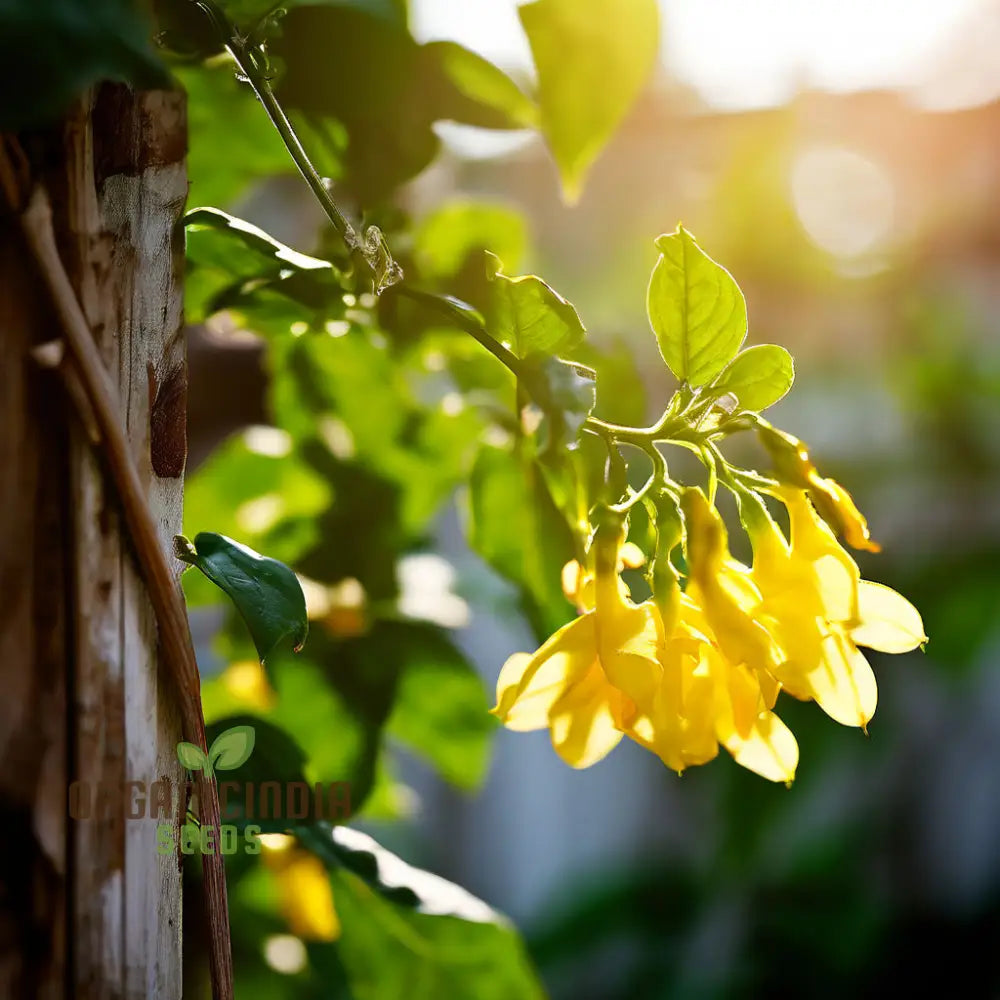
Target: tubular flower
pixel 724 590
pixel 583 681
pixel 704 700
pixel 793 465
pixel 815 603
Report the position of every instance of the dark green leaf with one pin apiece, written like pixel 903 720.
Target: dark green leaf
pixel 453 944
pixel 758 377
pixel 515 527
pixel 266 592
pixel 51 52
pixel 696 309
pixel 593 57
pixel 440 709
pixel 530 317
pixel 474 90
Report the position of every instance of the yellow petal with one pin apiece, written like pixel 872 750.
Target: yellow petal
pixel 769 749
pixel 813 542
pixel 843 685
pixel 582 720
pixel 889 622
pixel 631 556
pixel 628 646
pixel 529 685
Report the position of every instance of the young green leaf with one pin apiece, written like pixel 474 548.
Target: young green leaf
pixel 192 757
pixel 593 57
pixel 232 748
pixel 696 310
pixel 528 316
pixel 266 592
pixel 758 377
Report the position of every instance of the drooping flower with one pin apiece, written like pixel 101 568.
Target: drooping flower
pixel 818 608
pixel 835 504
pixel 582 682
pixel 704 700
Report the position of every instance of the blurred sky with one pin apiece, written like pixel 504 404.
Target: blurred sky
pixel 741 55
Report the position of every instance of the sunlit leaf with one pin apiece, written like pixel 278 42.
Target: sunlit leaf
pixel 593 57
pixel 266 592
pixel 529 316
pixel 758 377
pixel 696 309
pixel 230 261
pixel 453 944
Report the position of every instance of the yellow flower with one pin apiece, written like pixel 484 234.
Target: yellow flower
pixel 814 602
pixel 724 590
pixel 793 465
pixel 584 680
pixel 704 700
pixel 304 892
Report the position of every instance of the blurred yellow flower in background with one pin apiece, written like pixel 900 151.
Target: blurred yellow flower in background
pixel 305 895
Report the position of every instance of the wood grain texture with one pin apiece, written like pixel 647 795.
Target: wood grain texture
pixel 88 700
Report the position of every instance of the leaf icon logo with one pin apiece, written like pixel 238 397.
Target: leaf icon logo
pixel 229 750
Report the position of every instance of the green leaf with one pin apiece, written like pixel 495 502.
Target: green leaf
pixel 259 243
pixel 566 392
pixel 475 88
pixel 192 757
pixel 528 316
pixel 385 90
pixel 696 309
pixel 402 926
pixel 516 528
pixel 51 52
pixel 231 144
pixel 441 710
pixel 266 592
pixel 758 377
pixel 446 237
pixel 232 748
pixel 230 260
pixel 593 57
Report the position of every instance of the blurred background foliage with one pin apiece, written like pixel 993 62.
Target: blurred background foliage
pixel 842 165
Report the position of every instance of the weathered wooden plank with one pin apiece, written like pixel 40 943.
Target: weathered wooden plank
pixel 130 288
pixel 34 570
pixel 86 701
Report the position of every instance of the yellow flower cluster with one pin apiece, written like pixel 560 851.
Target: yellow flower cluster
pixel 691 669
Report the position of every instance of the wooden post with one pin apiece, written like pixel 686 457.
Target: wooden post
pixel 77 635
